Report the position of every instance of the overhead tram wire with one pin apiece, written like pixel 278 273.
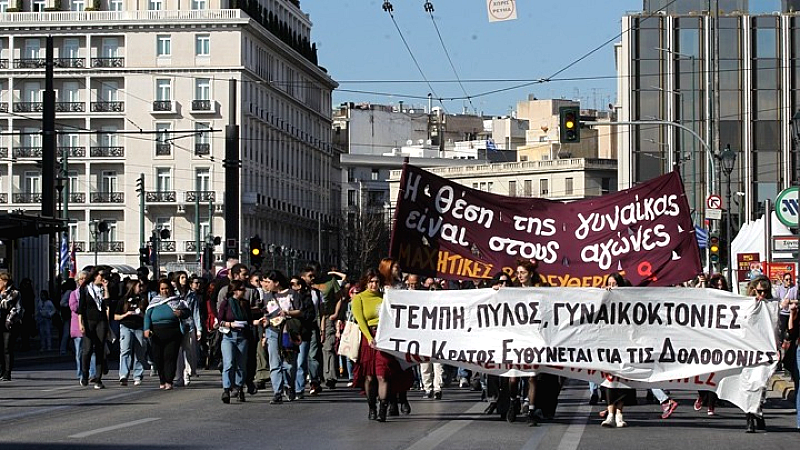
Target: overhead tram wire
pixel 387 6
pixel 429 9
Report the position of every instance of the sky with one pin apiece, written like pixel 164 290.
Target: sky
pixel 497 63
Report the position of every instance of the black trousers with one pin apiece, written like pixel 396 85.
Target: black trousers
pixel 94 341
pixel 166 341
pixel 7 338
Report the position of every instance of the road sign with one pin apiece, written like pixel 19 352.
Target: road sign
pixel 784 244
pixel 715 214
pixel 786 207
pixel 714 201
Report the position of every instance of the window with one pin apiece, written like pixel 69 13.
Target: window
pixel 109 91
pixel 38 5
pixel 33 182
pixel 155 5
pixel 375 174
pixel 110 48
pixel 115 5
pixel 33 49
pixel 199 4
pixel 32 92
pixel 108 236
pixel 108 137
pixel 72 231
pixel 163 223
pixel 77 5
pixel 568 186
pixel 163 179
pixel 69 92
pixel 3 6
pixel 163 90
pixel 202 176
pixel 108 181
pixel 202 89
pixel 163 45
pixel 512 188
pixel 31 138
pixel 352 198
pixel 489 186
pixel 69 140
pixel 202 138
pixel 70 48
pixel 202 45
pixel 605 185
pixel 72 185
pixel 163 138
pixel 527 188
pixel 543 190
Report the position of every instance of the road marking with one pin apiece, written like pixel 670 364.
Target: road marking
pixel 51 409
pixel 441 434
pixel 63 388
pixel 113 427
pixel 574 434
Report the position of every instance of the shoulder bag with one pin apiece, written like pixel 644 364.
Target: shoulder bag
pixel 350 341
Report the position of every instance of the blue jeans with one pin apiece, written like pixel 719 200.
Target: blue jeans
pixel 92 365
pixel 234 358
pixel 131 352
pixel 302 368
pixel 280 370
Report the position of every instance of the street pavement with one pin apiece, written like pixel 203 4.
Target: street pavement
pixel 44 407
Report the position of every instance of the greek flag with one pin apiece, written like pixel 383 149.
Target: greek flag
pixel 702 236
pixel 64 254
pixel 490 145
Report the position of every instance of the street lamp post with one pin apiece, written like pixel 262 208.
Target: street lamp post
pixel 728 159
pixel 100 226
pixel 796 138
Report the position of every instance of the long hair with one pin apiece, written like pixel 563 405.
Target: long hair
pixel 278 277
pixel 130 286
pixel 181 289
pixel 372 272
pixel 385 269
pixel 621 282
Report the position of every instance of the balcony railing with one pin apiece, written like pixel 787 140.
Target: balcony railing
pixel 26 152
pixel 69 63
pixel 4 63
pixel 108 106
pixel 3 152
pixel 3 197
pixel 189 246
pixel 72 152
pixel 29 63
pixel 77 197
pixel 108 62
pixel 202 149
pixel 163 149
pixel 4 107
pixel 107 197
pixel 202 105
pixel 80 246
pixel 162 106
pixel 26 197
pixel 106 152
pixel 70 107
pixel 108 246
pixel 204 196
pixel 28 106
pixel 160 196
pixel 166 246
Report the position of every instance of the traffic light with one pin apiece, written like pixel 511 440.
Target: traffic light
pixel 256 251
pixel 144 256
pixel 140 184
pixel 713 248
pixel 569 124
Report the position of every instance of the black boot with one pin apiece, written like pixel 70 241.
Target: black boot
pixel 373 411
pixel 513 410
pixel 394 410
pixel 751 424
pixel 760 424
pixel 240 394
pixel 226 395
pixel 532 421
pixel 382 410
pixel 405 407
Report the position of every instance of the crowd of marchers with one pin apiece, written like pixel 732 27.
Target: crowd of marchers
pixel 268 330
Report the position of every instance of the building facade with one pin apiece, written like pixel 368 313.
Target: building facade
pixel 145 89
pixel 729 73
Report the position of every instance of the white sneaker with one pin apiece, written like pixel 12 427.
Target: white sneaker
pixel 620 423
pixel 137 382
pixel 463 383
pixel 609 422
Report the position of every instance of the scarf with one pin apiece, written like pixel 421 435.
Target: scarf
pixel 97 294
pixel 173 302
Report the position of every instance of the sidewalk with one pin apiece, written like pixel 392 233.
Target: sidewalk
pixel 781 386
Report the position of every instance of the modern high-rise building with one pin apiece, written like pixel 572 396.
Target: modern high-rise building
pixel 148 88
pixel 729 72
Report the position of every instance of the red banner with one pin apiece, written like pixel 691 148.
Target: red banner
pixel 447 230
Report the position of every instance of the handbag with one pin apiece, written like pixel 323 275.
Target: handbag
pixel 350 341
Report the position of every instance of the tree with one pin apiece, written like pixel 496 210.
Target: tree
pixel 365 236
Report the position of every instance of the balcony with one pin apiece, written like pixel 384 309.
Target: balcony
pixel 163 149
pixel 3 153
pixel 108 62
pixel 202 149
pixel 204 196
pixel 107 197
pixel 189 246
pixel 80 246
pixel 160 196
pixel 26 197
pixel 77 197
pixel 26 152
pixel 108 246
pixel 30 63
pixel 3 107
pixel 163 106
pixel 69 63
pixel 72 152
pixel 108 106
pixel 4 63
pixel 203 106
pixel 106 152
pixel 166 246
pixel 70 107
pixel 3 197
pixel 28 106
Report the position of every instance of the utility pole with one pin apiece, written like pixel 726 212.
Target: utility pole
pixel 231 165
pixel 49 158
pixel 140 190
pixel 197 222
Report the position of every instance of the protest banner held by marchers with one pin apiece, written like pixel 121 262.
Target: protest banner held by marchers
pixel 447 230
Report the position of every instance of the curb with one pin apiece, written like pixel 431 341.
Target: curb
pixel 783 386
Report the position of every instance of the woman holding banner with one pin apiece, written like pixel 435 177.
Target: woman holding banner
pixel 617 397
pixel 379 373
pixel 392 275
pixel 762 289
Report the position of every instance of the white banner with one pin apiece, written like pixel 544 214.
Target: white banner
pixel 676 338
pixel 500 10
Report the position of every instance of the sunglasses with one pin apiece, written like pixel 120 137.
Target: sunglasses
pixel 761 291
